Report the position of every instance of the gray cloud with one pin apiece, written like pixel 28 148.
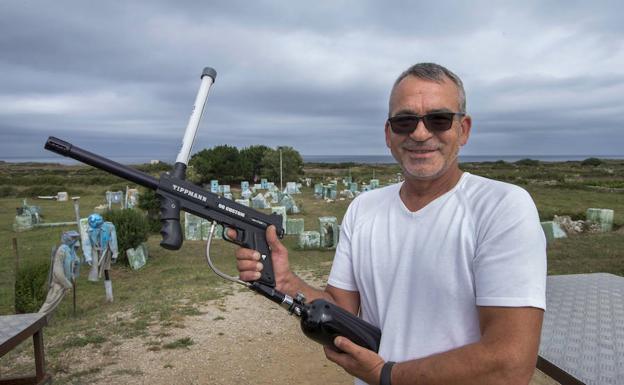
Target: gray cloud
pixel 541 76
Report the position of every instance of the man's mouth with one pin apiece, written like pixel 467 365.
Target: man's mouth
pixel 420 152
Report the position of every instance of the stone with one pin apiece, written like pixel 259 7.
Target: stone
pixel 62 196
pixel 228 195
pixel 132 198
pixel 347 194
pixel 552 231
pixel 264 183
pixel 272 196
pixel 114 197
pixel 192 227
pixel 259 202
pixel 281 210
pixel 214 186
pixel 328 230
pixel 374 183
pixel 318 190
pixel 291 188
pixel 353 187
pixel 601 217
pixel 568 225
pixel 137 257
pixel 23 222
pixel 294 226
pixel 244 202
pixel 290 204
pixel 309 240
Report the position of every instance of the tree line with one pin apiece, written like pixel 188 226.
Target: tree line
pixel 230 165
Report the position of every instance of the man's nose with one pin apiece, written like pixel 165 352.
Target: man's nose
pixel 421 133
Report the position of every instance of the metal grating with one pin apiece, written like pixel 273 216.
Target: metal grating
pixel 583 331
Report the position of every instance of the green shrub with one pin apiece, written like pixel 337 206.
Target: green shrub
pixel 591 162
pixel 527 162
pixel 43 190
pixel 132 229
pixel 150 202
pixel 30 287
pixel 7 191
pixel 47 190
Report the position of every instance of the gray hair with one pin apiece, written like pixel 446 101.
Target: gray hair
pixel 436 73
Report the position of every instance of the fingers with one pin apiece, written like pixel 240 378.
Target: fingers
pixel 346 345
pixel 273 240
pixel 230 233
pixel 247 262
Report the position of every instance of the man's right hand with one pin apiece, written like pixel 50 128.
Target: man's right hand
pixel 249 266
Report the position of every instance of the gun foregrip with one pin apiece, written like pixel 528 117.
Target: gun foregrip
pixel 323 321
pixel 171 230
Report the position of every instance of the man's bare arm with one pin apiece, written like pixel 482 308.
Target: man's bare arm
pixel 505 355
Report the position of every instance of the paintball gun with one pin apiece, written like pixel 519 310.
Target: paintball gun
pixel 321 320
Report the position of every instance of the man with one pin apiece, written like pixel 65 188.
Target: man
pixel 450 266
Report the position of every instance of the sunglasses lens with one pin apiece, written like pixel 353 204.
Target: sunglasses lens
pixel 439 122
pixel 403 125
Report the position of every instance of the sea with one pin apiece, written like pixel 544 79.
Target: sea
pixel 380 159
pixel 365 159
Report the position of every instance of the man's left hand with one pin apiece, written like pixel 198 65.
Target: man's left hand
pixel 356 360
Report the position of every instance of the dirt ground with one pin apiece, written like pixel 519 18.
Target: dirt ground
pixel 240 339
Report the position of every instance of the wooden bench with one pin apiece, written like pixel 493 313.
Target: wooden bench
pixel 14 329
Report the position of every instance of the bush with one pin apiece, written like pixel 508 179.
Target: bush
pixel 527 162
pixel 591 162
pixel 132 229
pixel 43 190
pixel 150 202
pixel 30 287
pixel 7 191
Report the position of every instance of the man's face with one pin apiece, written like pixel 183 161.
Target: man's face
pixel 424 154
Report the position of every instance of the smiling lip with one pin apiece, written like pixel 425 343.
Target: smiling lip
pixel 421 152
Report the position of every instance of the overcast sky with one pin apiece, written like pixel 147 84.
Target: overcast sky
pixel 120 77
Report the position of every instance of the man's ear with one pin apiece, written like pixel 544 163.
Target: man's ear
pixel 388 133
pixel 466 125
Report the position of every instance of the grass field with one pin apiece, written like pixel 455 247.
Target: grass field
pixel 172 283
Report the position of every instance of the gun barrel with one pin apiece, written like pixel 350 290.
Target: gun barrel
pixel 67 149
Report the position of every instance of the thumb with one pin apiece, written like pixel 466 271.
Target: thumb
pixel 273 240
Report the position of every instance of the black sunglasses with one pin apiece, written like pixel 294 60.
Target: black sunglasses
pixel 434 122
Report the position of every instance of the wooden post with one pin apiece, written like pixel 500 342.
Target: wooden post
pixel 16 253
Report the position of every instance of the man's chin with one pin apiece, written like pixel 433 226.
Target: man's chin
pixel 421 174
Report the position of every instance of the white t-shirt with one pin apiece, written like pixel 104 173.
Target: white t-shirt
pixel 421 275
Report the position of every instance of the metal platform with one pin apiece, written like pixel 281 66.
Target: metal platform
pixel 583 332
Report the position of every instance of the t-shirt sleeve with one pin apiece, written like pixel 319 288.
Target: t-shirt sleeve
pixel 341 275
pixel 510 261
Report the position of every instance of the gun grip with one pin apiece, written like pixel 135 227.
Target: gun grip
pixel 257 240
pixel 171 230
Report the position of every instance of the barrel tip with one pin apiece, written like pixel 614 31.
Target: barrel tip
pixel 209 71
pixel 57 145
